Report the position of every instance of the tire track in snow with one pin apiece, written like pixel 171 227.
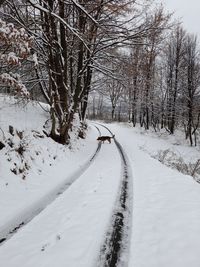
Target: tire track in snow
pixel 25 216
pixel 115 250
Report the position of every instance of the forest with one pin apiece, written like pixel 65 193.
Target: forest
pixel 115 60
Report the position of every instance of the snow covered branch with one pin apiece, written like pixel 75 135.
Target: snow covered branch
pixel 15 47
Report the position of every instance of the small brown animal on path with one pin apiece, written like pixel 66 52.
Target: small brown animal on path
pixel 104 138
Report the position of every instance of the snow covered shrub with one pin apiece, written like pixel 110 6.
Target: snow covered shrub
pixel 16 149
pixel 15 46
pixel 171 159
pixel 21 166
pixel 1 145
pixel 162 155
pixel 21 148
pixel 14 81
pixel 82 130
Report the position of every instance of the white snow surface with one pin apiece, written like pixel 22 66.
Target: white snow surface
pixel 49 164
pixel 70 231
pixel 166 216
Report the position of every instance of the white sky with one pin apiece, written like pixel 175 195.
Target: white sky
pixel 188 11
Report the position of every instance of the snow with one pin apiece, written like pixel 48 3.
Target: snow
pixel 165 228
pixel 71 230
pixel 44 158
pixel 80 228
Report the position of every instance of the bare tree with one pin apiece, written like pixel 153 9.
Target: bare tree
pixel 71 39
pixel 151 51
pixel 192 83
pixel 175 54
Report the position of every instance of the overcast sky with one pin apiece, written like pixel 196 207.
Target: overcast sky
pixel 188 11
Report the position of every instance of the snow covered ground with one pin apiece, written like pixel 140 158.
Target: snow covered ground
pixel 166 216
pixel 70 231
pixel 50 165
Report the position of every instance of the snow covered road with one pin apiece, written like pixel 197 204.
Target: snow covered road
pixel 71 229
pixel 115 250
pixel 34 206
pixel 166 212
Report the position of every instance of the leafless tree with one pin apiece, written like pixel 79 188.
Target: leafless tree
pixel 191 92
pixel 174 69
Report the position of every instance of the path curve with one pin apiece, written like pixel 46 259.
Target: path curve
pixel 115 250
pixel 25 216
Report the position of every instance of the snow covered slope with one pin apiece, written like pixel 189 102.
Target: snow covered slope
pixel 31 178
pixel 70 231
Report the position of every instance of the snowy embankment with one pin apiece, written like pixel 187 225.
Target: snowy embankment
pixel 50 167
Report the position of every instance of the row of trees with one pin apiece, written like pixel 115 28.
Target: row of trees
pixel 72 40
pixel 161 85
pixel 113 50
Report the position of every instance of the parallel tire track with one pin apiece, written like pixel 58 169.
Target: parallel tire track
pixel 11 227
pixel 115 250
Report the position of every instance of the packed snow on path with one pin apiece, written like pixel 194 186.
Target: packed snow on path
pixel 166 212
pixel 70 231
